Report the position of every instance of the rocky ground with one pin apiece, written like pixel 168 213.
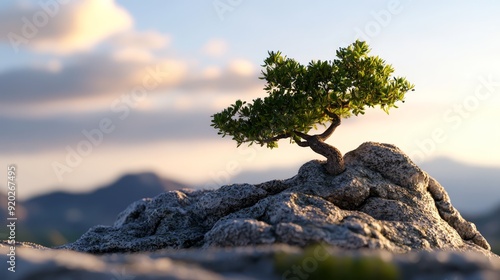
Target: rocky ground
pixel 383 216
pixel 277 261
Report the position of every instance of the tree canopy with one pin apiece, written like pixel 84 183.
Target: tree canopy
pixel 301 97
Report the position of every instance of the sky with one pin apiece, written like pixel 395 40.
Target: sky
pixel 93 89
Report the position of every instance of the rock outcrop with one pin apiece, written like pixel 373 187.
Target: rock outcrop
pixel 382 218
pixel 381 201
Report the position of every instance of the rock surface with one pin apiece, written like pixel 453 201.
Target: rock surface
pixel 382 215
pixel 256 262
pixel 382 201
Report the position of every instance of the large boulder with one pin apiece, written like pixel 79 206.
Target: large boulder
pixel 383 218
pixel 381 201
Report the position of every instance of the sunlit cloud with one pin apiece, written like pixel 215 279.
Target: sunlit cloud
pixel 62 28
pixel 215 48
pixel 137 46
pixel 125 60
pixel 54 65
pixel 211 72
pixel 237 75
pixel 88 77
pixel 242 67
pixel 141 40
pixel 132 55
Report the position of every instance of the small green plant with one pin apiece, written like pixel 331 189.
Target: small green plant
pixel 315 263
pixel 302 97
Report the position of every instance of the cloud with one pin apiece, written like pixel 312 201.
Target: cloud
pixel 90 81
pixel 49 26
pixel 137 46
pixel 241 67
pixel 88 76
pixel 141 40
pixel 215 48
pixel 28 135
pixel 211 72
pixel 93 81
pixel 237 75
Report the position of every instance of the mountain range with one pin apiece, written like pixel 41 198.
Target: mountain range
pixel 472 189
pixel 489 226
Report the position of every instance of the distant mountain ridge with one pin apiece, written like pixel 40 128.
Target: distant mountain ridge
pixel 489 225
pixel 473 189
pixel 58 217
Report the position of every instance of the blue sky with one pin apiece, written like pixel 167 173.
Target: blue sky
pixel 107 87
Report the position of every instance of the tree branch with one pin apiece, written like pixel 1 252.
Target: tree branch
pixel 302 143
pixel 329 131
pixel 336 120
pixel 276 138
pixel 303 136
pixel 286 135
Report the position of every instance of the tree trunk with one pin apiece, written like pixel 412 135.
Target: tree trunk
pixel 334 160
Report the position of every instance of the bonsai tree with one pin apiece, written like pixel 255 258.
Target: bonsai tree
pixel 302 97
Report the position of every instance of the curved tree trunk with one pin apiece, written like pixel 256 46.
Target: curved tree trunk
pixel 334 160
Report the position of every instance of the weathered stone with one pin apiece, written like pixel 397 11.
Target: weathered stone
pixel 241 232
pixel 381 201
pixel 254 262
pixel 382 206
pixel 389 161
pixel 466 229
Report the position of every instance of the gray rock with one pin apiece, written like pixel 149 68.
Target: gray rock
pixel 36 264
pixel 255 262
pixel 382 214
pixel 382 201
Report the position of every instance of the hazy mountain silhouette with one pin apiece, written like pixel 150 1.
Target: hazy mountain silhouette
pixel 473 189
pixel 489 226
pixel 59 217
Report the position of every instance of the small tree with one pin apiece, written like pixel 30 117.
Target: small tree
pixel 301 97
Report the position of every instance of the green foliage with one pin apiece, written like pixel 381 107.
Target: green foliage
pixel 309 266
pixel 301 97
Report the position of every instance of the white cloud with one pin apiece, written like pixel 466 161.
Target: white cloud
pixel 211 72
pixel 89 81
pixel 242 67
pixel 141 40
pixel 215 48
pixel 63 28
pixel 236 76
pixel 132 55
pixel 137 46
